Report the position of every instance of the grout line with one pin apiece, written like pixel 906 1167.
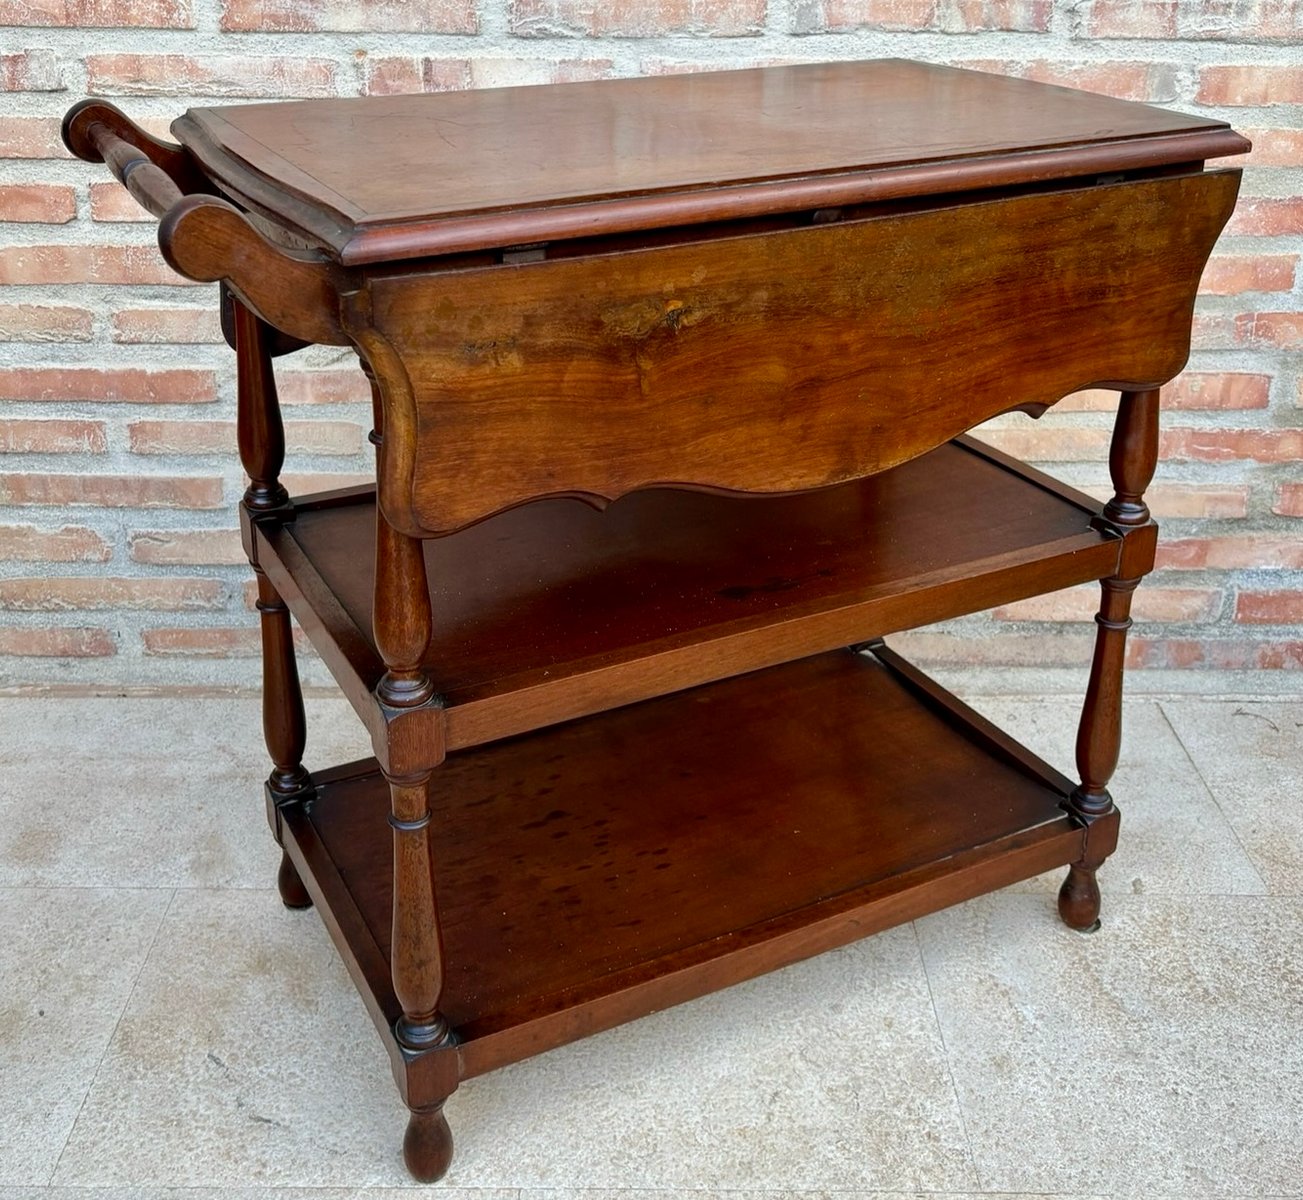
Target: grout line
pixel 1207 787
pixel 945 1050
pixel 126 1004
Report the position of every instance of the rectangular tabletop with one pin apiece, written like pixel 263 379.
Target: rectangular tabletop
pixel 389 177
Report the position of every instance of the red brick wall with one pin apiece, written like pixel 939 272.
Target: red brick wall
pixel 119 564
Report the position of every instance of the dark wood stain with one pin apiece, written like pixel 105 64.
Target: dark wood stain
pixel 624 758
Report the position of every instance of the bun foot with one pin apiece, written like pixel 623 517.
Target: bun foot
pixel 1079 899
pixel 427 1145
pixel 290 886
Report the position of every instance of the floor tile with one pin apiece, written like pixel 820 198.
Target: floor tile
pixel 1175 840
pixel 146 793
pixel 68 959
pixel 829 1074
pixel 251 1193
pixel 1251 756
pixel 765 1194
pixel 246 1056
pixel 1160 1056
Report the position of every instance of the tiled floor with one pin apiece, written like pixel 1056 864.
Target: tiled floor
pixel 167 1029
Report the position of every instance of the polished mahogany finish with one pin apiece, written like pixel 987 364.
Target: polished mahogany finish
pixel 554 611
pixel 635 742
pixel 701 365
pixel 601 868
pixel 408 176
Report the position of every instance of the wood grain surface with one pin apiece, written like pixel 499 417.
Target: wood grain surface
pixel 775 362
pixel 605 868
pixel 394 177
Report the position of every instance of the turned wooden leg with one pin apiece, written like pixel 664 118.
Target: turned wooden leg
pixel 284 724
pixel 1079 898
pixel 417 966
pixel 1132 458
pixel 427 1145
pixel 293 893
pixel 262 453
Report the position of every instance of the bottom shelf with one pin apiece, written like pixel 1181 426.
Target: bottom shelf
pixel 606 868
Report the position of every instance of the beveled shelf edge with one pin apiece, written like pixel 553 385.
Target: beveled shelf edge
pixel 700 970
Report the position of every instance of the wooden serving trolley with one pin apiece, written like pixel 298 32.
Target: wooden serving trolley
pixel 636 734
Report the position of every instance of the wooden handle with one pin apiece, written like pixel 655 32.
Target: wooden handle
pixel 203 236
pixel 207 239
pixel 153 188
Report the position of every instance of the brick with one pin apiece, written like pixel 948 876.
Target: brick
pixel 1272 148
pixel 1180 501
pixel 1051 444
pixel 950 16
pixel 524 72
pixel 31 137
pixel 44 323
pixel 1282 330
pixel 1232 445
pixel 1217 654
pixel 1129 18
pixel 1269 608
pixel 129 385
pixel 186 547
pixel 842 16
pixel 1122 80
pixel 306 483
pixel 1213 331
pixel 53 204
pixel 1258 84
pixel 660 65
pixel 1289 500
pixel 88 264
pixel 112 491
pixel 1233 274
pixel 635 18
pixel 83 593
pixel 1241 20
pixel 1194 390
pixel 403 76
pixel 167 326
pixel 52 437
pixel 348 386
pixel 1166 604
pixel 1249 552
pixel 1174 501
pixel 1206 391
pixel 244 642
pixel 31 71
pixel 70 543
pixel 169 74
pixel 309 16
pixel 219 437
pixel 1025 16
pixel 139 14
pixel 1262 216
pixel 44 642
pixel 110 201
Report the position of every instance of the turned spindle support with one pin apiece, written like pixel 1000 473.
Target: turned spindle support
pixel 1133 457
pixel 403 624
pixel 416 964
pixel 403 620
pixel 261 438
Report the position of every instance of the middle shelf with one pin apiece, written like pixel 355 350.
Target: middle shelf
pixel 554 610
